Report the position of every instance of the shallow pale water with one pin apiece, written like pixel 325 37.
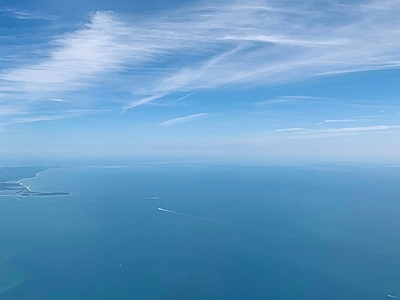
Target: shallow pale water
pixel 224 232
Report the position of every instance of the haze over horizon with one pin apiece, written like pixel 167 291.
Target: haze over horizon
pixel 199 79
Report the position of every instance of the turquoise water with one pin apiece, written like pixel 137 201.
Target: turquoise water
pixel 321 232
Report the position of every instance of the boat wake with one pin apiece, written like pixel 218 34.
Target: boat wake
pixel 195 217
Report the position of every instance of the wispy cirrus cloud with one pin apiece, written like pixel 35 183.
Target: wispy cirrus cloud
pixel 304 133
pixel 359 129
pixel 290 129
pixel 26 15
pixel 183 97
pixel 19 116
pixel 181 120
pixel 284 99
pixel 74 60
pixel 273 101
pixel 340 120
pixel 259 43
pixel 142 101
pixel 58 100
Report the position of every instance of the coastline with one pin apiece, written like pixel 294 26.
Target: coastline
pixel 15 187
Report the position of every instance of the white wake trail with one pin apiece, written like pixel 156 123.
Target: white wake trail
pixel 269 232
pixel 194 217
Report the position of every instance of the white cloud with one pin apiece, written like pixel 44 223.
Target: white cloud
pixel 339 120
pixel 304 133
pixel 142 101
pixel 208 46
pixel 183 97
pixel 76 59
pixel 289 129
pixel 59 100
pixel 273 101
pixel 181 120
pixel 26 15
pixel 359 129
pixel 284 99
pixel 8 109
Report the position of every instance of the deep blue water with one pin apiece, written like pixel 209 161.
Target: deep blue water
pixel 318 232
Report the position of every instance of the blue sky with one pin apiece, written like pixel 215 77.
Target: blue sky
pixel 186 79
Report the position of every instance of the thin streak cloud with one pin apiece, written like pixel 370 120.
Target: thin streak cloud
pixel 304 133
pixel 59 100
pixel 26 15
pixel 359 129
pixel 339 121
pixel 289 129
pixel 181 120
pixel 284 99
pixel 183 97
pixel 142 101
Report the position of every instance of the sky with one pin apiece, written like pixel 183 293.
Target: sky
pixel 227 80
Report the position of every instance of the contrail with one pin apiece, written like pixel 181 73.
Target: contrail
pixel 194 217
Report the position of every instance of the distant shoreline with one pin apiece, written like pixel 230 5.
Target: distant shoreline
pixel 16 187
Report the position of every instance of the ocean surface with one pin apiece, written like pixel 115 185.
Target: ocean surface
pixel 204 232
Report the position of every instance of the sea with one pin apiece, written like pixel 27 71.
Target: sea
pixel 317 231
